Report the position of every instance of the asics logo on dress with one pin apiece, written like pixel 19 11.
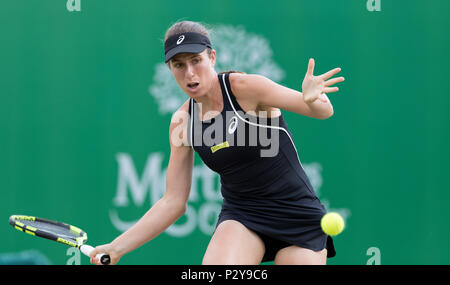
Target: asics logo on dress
pixel 233 125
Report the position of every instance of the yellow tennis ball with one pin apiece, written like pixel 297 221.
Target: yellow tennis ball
pixel 332 224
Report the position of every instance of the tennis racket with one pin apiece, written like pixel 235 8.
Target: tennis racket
pixel 56 231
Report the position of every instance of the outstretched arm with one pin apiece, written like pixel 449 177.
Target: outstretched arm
pixel 311 102
pixel 168 209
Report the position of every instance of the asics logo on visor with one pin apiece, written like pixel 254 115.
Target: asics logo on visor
pixel 180 39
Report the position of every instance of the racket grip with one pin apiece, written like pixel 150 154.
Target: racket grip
pixel 103 258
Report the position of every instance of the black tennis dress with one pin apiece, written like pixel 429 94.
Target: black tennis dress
pixel 267 192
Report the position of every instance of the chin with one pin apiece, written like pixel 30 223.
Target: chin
pixel 195 94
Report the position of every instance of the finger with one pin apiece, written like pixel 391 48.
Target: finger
pixel 330 89
pixel 334 81
pixel 96 261
pixel 92 256
pixel 310 66
pixel 93 253
pixel 93 260
pixel 330 73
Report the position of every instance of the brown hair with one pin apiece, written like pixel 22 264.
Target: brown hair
pixel 186 27
pixel 195 27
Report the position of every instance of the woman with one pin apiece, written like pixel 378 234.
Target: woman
pixel 270 211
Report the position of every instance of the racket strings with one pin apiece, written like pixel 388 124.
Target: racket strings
pixel 55 229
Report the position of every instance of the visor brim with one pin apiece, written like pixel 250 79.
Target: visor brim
pixel 187 48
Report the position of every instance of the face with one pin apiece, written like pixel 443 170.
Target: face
pixel 194 72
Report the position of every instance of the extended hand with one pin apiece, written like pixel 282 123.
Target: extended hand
pixel 314 86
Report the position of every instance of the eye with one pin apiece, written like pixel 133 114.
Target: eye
pixel 178 65
pixel 196 60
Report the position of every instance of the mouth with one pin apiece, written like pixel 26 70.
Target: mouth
pixel 193 86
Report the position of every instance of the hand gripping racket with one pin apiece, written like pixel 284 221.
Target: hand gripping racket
pixel 56 231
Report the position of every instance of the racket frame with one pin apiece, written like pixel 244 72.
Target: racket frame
pixel 78 242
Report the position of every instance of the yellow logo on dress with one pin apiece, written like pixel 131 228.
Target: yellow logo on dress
pixel 219 146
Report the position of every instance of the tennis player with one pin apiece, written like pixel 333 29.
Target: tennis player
pixel 270 211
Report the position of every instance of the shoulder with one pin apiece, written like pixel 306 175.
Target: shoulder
pixel 243 81
pixel 181 115
pixel 183 108
pixel 245 85
pixel 252 90
pixel 179 124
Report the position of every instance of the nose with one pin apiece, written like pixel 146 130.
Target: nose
pixel 189 71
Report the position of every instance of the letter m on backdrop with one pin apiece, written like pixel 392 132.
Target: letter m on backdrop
pixel 152 180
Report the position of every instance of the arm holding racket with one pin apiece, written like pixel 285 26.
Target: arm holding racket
pixel 167 210
pixel 163 214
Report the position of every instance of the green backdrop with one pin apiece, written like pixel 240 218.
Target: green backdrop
pixel 86 104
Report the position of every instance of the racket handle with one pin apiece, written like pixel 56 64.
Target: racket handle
pixel 87 249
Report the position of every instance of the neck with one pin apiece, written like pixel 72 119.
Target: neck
pixel 212 99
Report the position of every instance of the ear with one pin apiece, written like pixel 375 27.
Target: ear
pixel 213 58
